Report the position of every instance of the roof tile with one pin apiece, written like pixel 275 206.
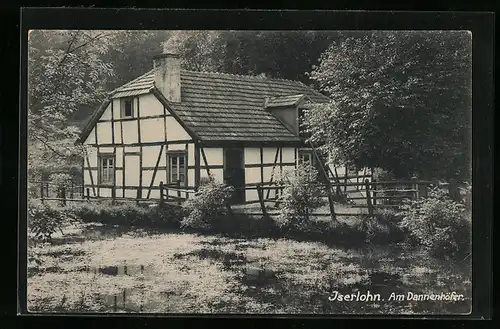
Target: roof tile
pixel 221 106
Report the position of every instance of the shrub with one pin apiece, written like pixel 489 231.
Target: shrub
pixel 61 179
pixel 207 208
pixel 438 223
pixel 301 195
pixel 44 220
pixel 381 228
pixel 129 214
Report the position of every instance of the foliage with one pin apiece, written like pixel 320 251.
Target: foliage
pixel 440 224
pixel 127 214
pixel 208 206
pixel 382 227
pixel 279 54
pixel 301 195
pixel 61 179
pixel 45 220
pixel 131 54
pixel 65 72
pixel 399 102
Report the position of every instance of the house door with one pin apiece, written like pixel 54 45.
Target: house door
pixel 132 172
pixel 234 173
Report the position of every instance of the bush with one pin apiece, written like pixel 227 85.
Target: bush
pixel 129 214
pixel 438 223
pixel 381 228
pixel 207 208
pixel 301 195
pixel 44 220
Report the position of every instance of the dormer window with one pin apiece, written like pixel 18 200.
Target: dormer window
pixel 127 107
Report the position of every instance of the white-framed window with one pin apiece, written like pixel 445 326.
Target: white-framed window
pixel 127 107
pixel 106 169
pixel 177 168
pixel 305 156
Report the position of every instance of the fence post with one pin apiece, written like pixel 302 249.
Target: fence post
pixel 368 198
pixel 422 190
pixel 41 192
pixel 178 185
pixel 373 199
pixel 345 180
pixel 161 193
pixel 414 187
pixel 261 200
pixel 88 193
pixel 330 203
pixel 63 195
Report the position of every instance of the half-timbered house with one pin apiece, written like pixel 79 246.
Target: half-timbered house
pixel 176 126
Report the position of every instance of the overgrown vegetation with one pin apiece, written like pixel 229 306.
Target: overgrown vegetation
pixel 126 214
pixel 44 220
pixel 440 224
pixel 301 195
pixel 207 208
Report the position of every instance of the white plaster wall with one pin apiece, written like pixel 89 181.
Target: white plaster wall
pixel 131 170
pixel 130 193
pixel 288 154
pixel 177 147
pixel 269 154
pixel 119 177
pixel 147 176
pixel 252 175
pixel 92 157
pixel 251 195
pixel 107 149
pixel 118 132
pixel 150 105
pixel 214 156
pixel 150 155
pixel 190 177
pixel 106 115
pixel 132 149
pixel 104 133
pixel 252 155
pixel 190 155
pixel 130 132
pixel 152 130
pixel 105 192
pixel 218 174
pixel 116 108
pixel 90 138
pixel 175 130
pixel 119 157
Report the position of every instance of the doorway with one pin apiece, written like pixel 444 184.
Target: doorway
pixel 234 173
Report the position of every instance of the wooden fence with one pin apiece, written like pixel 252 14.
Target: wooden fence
pixel 377 194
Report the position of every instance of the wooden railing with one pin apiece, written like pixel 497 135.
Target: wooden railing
pixel 165 196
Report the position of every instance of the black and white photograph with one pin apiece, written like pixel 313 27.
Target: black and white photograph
pixel 322 172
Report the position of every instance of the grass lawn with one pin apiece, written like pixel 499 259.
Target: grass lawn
pixel 95 268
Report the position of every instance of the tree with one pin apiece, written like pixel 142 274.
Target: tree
pixel 65 72
pixel 278 54
pixel 401 101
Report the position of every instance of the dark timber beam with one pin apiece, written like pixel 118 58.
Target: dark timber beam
pixel 197 169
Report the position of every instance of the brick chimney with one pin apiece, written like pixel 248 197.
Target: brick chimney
pixel 168 76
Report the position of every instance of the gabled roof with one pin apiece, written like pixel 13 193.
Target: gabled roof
pixel 228 107
pixel 284 101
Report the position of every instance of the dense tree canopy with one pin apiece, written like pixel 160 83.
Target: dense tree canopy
pixel 401 101
pixel 279 54
pixel 65 72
